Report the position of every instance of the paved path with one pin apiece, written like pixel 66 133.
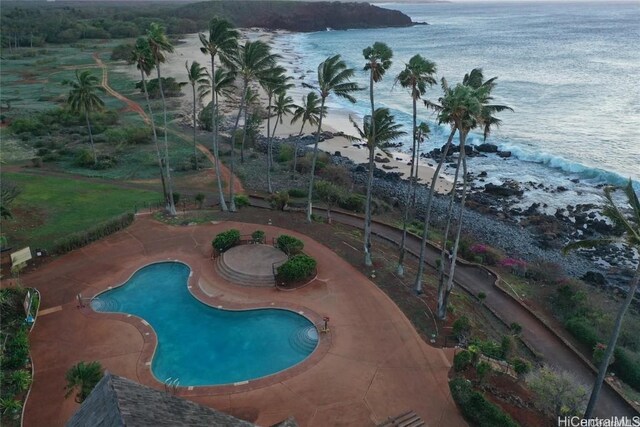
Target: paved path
pixel 476 279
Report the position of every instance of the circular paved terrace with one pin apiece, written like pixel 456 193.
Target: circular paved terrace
pixel 250 265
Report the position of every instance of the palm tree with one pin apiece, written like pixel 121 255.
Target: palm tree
pixel 142 57
pixel 416 76
pixel 386 130
pixel 196 74
pixel 222 42
pixel 423 132
pixel 308 112
pixel 82 378
pixel 253 98
pixel 630 223
pixel 159 44
pixel 333 78
pixel 82 99
pixel 282 106
pixel 253 61
pixel 275 81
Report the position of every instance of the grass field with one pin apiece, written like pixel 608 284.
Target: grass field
pixel 50 207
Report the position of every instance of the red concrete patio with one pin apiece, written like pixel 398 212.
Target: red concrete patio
pixel 371 365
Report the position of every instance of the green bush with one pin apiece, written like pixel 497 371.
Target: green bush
pixel 483 370
pixel 17 350
pixel 27 125
pixel 84 159
pixel 462 360
pixel 354 202
pixel 521 366
pixel 289 244
pixel 279 200
pixel 80 239
pixel 581 329
pixel 200 199
pixel 489 348
pixel 475 408
pixel 241 200
pixel 258 236
pixel 627 367
pixel 297 268
pixel 176 198
pixel 507 345
pixel 226 240
pixel 133 135
pixel 462 328
pixel 297 192
pixel 285 153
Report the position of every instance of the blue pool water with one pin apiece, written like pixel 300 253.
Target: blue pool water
pixel 202 345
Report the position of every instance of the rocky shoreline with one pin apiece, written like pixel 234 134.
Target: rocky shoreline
pixel 490 216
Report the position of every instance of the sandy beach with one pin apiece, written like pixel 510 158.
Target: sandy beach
pixel 337 120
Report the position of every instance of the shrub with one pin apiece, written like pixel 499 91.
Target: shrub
pixel 337 175
pixel 17 350
pixel 354 202
pixel 627 367
pixel 489 255
pixel 476 408
pixel 134 135
pixel 598 354
pixel 489 348
pixel 297 268
pixel 582 330
pixel 27 125
pixel 241 200
pixel 84 158
pixel 297 192
pixel 176 198
pixel 462 360
pixel 78 240
pixel 544 271
pixel 557 392
pixel 285 153
pixel 482 371
pixel 200 199
pixel 521 367
pixel 289 244
pixel 462 328
pixel 258 236
pixel 517 266
pixel 226 240
pixel 507 345
pixel 279 200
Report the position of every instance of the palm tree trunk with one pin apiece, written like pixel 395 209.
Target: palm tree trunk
pixel 155 135
pixel 295 152
pixel 214 124
pixel 442 308
pixel 405 214
pixel 313 165
pixel 195 150
pixel 367 211
pixel 172 207
pixel 244 134
pixel 273 136
pixel 269 186
pixel 427 218
pixel 232 202
pixel 604 365
pixel 93 147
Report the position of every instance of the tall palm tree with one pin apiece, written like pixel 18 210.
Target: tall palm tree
pixel 159 44
pixel 308 112
pixel 143 59
pixel 82 378
pixel 386 130
pixel 273 82
pixel 378 57
pixel 333 78
pixel 253 98
pixel 282 106
pixel 423 132
pixel 417 75
pixel 253 61
pixel 221 42
pixel 630 223
pixel 196 74
pixel 82 99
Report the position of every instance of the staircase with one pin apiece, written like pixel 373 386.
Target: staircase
pixel 407 419
pixel 241 278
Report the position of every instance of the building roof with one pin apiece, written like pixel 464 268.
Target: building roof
pixel 117 401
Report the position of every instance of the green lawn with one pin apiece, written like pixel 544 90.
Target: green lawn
pixel 50 207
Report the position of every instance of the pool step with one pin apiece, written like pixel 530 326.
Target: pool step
pixel 241 278
pixel 105 303
pixel 304 339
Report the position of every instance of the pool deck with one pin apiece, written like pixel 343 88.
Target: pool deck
pixel 371 365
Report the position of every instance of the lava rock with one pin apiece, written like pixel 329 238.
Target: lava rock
pixel 487 148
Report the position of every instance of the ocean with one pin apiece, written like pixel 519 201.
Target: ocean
pixel 569 70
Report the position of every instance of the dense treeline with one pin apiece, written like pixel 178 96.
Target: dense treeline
pixel 33 24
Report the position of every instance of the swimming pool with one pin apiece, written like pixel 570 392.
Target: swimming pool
pixel 202 345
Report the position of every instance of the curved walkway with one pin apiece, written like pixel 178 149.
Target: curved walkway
pixel 535 332
pixel 375 364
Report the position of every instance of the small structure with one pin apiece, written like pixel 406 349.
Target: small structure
pixel 19 258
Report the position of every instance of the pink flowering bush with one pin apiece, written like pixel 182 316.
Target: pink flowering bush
pixel 485 254
pixel 517 266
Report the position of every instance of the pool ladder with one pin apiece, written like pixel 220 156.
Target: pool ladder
pixel 171 384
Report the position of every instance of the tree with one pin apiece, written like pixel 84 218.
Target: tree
pixel 630 223
pixel 82 99
pixel 222 42
pixel 82 378
pixel 308 112
pixel 196 74
pixel 378 59
pixel 416 76
pixel 386 130
pixel 143 59
pixel 8 193
pixel 558 394
pixel 253 99
pixel 333 78
pixel 159 44
pixel 253 61
pixel 283 105
pixel 330 194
